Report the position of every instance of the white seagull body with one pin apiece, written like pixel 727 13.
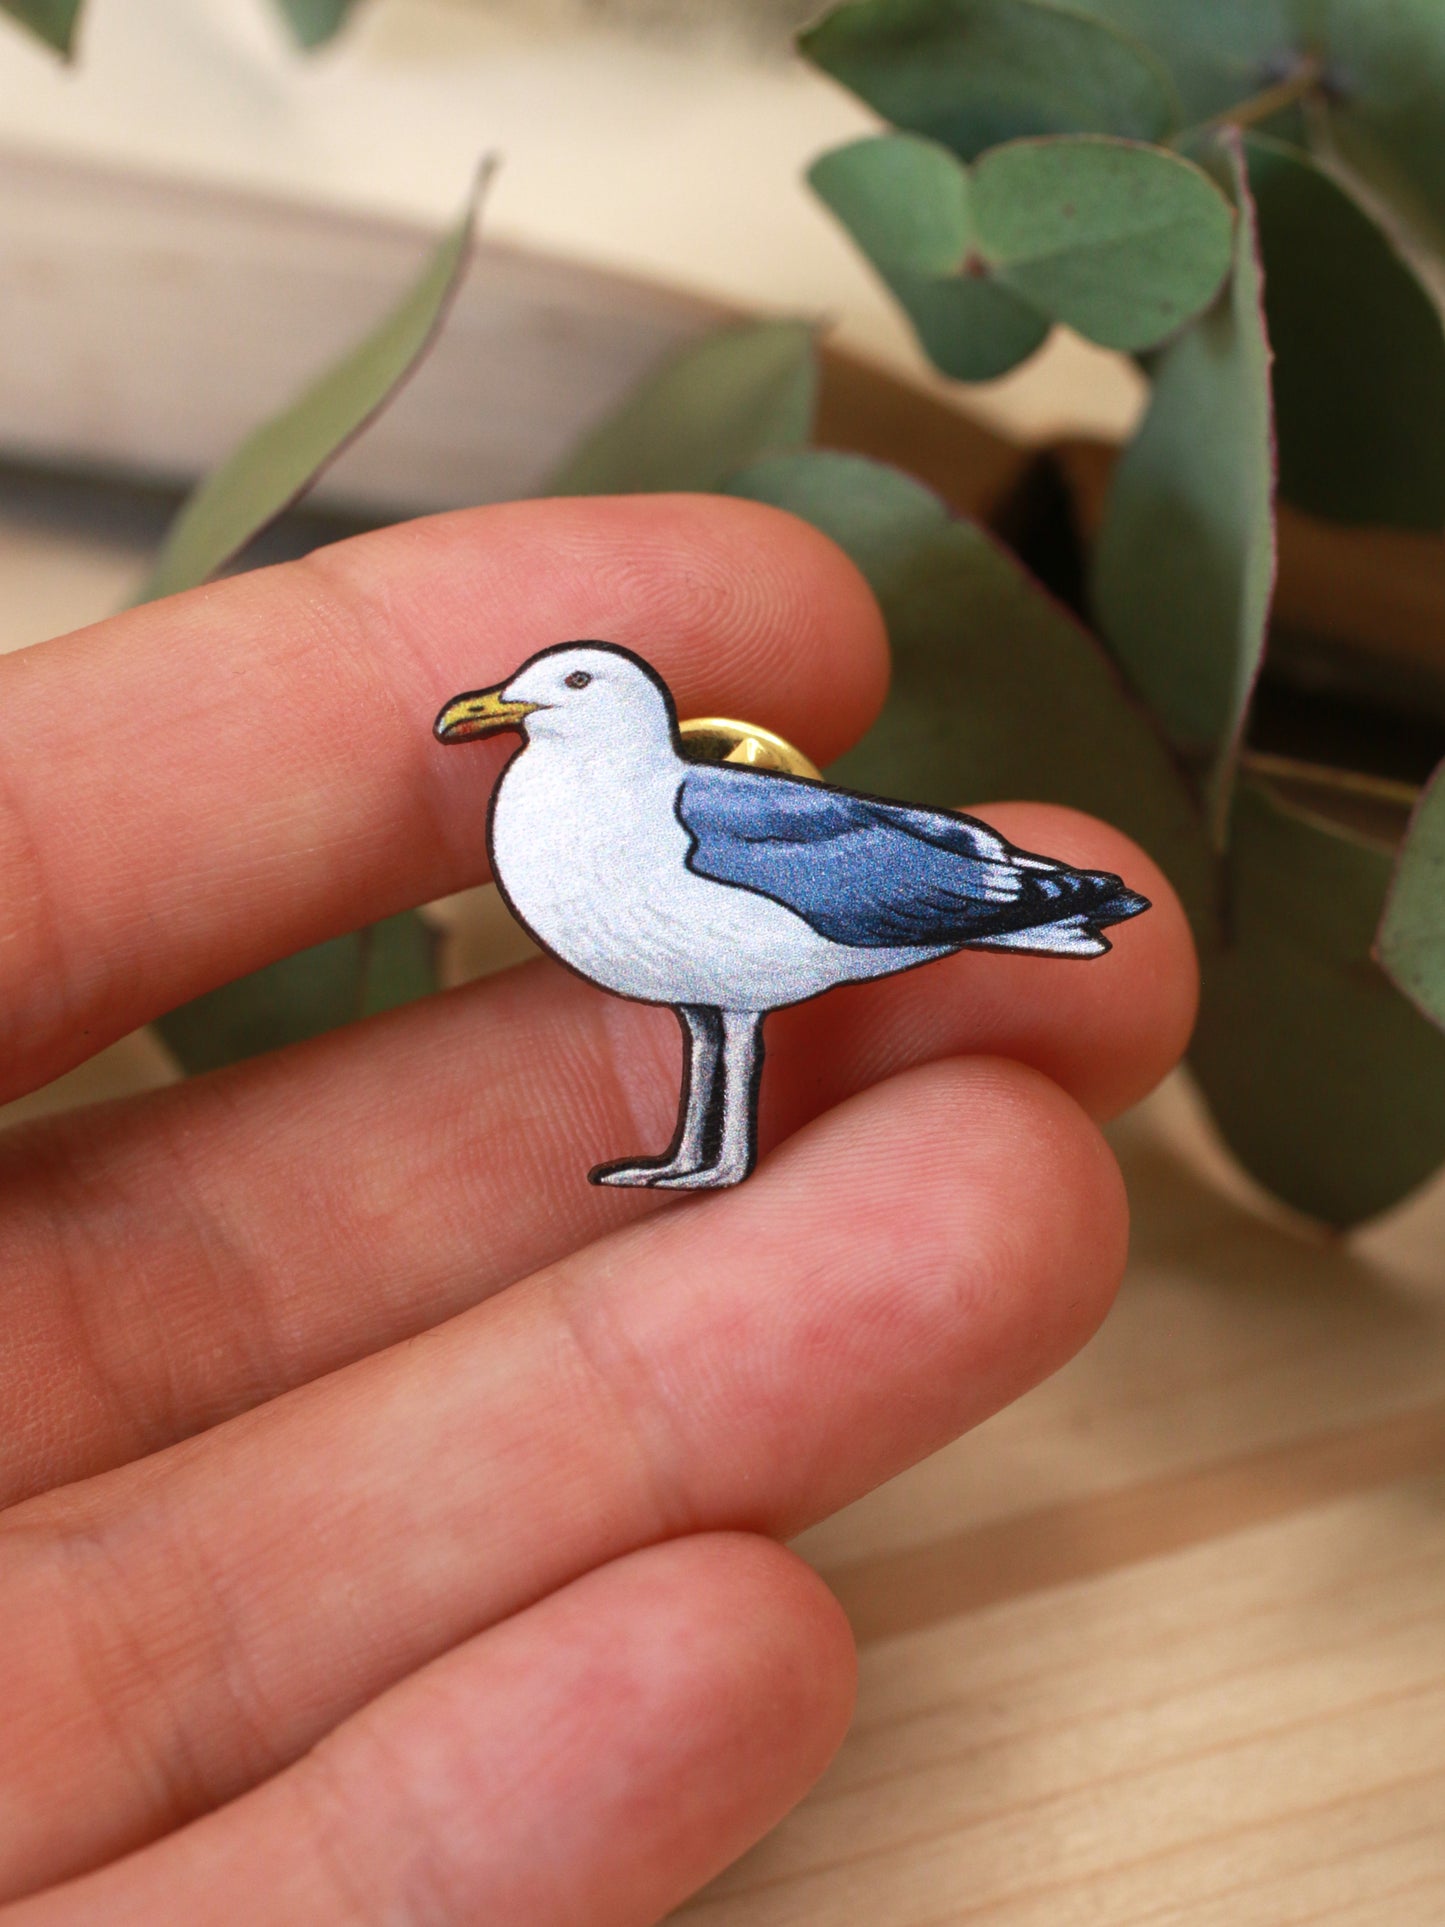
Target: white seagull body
pixel 727 892
pixel 606 885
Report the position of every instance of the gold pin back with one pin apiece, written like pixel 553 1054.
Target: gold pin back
pixel 720 739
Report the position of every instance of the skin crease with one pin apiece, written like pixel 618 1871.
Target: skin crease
pixel 390 1511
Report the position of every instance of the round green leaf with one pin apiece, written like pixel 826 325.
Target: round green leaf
pixel 972 73
pixel 970 327
pixel 1120 242
pixel 1327 1083
pixel 736 396
pixel 906 202
pixel 1359 376
pixel 997 691
pixel 1411 943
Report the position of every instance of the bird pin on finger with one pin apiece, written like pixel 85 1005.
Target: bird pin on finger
pixel 729 891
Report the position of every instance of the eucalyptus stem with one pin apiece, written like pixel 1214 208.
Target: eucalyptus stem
pixel 1295 87
pixel 1327 776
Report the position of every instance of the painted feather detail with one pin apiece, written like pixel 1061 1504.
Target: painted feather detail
pixel 873 874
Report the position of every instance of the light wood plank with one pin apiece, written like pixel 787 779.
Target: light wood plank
pixel 902 1591
pixel 1157 1743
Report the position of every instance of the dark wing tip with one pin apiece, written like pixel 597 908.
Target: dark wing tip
pixel 1122 904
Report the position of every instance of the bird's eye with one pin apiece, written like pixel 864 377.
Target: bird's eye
pixel 579 679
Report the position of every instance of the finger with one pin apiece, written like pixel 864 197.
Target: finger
pixel 180 1259
pixel 595 1759
pixel 197 787
pixel 751 1361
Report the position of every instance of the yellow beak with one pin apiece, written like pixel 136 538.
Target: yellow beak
pixel 478 713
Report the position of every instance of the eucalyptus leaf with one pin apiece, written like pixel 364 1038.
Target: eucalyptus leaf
pixel 287 1001
pixel 736 396
pixel 997 690
pixel 315 21
pixel 1382 75
pixel 906 201
pixel 1359 376
pixel 1121 242
pixel 279 461
pixel 1384 110
pixel 333 982
pixel 1328 1084
pixel 53 21
pixel 907 204
pixel 974 73
pixel 398 963
pixel 1411 941
pixel 1217 52
pixel 970 327
pixel 1184 566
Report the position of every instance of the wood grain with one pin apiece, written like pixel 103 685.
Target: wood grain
pixel 1078 1538
pixel 1249 1729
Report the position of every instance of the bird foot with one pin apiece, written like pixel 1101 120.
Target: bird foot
pixel 642 1174
pixel 716 1178
pixel 668 1177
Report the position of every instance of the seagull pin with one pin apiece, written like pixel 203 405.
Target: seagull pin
pixel 728 892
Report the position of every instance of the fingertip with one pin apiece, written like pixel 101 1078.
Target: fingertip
pixel 813 1660
pixel 598 1756
pixel 1078 1224
pixel 1129 1015
pixel 1048 1222
pixel 740 1679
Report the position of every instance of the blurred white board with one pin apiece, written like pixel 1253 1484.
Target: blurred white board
pixel 147 324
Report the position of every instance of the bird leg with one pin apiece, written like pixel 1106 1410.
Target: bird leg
pixel 697 1118
pixel 742 1069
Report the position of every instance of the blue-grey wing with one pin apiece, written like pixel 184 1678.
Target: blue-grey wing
pixel 871 873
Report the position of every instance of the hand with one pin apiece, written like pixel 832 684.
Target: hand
pixel 392 1515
